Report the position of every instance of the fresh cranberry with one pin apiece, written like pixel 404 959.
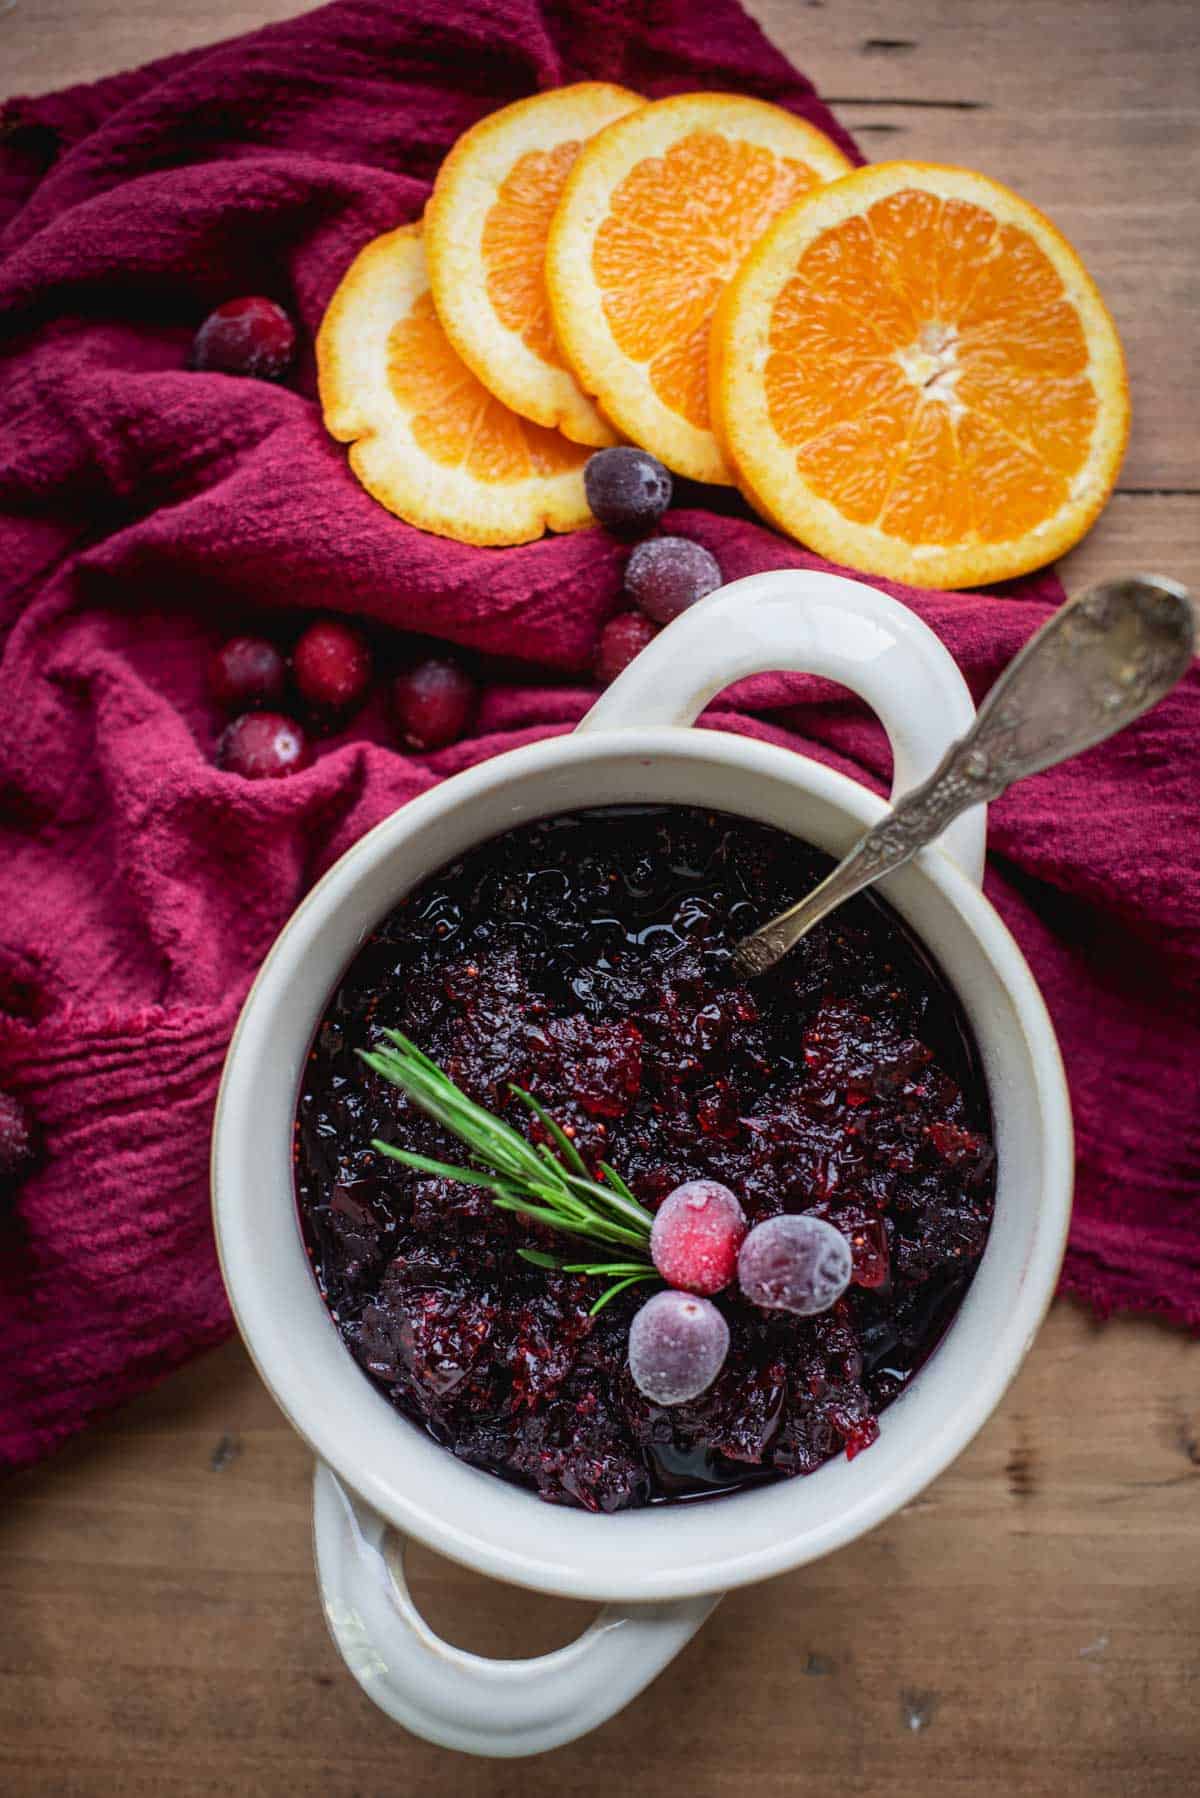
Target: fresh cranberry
pixel 18 1139
pixel 331 665
pixel 668 574
pixel 247 673
pixel 262 746
pixel 253 336
pixel 622 638
pixel 627 489
pixel 433 702
pixel 698 1230
pixel 677 1347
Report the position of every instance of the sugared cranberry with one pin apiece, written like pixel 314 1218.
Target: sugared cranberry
pixel 331 665
pixel 799 1264
pixel 246 673
pixel 18 1140
pixel 433 702
pixel 668 574
pixel 253 336
pixel 627 489
pixel 262 746
pixel 622 638
pixel 677 1347
pixel 698 1230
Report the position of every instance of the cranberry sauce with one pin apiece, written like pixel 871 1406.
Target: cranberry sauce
pixel 587 958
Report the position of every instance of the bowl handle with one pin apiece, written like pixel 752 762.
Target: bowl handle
pixel 466 1701
pixel 811 623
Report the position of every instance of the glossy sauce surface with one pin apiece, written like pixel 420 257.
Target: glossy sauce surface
pixel 587 958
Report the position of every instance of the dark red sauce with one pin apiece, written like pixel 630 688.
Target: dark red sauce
pixel 587 958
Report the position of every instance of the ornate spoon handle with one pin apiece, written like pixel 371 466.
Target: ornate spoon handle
pixel 1102 660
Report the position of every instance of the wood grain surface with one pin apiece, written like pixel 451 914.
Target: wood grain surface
pixel 1031 1624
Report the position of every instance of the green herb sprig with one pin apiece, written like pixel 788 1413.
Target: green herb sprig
pixel 551 1185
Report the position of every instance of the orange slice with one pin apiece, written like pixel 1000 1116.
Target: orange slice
pixel 485 238
pixel 427 440
pixel 656 215
pixel 914 374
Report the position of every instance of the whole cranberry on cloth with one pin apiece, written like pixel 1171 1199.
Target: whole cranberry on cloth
pixel 252 336
pixel 331 665
pixel 140 886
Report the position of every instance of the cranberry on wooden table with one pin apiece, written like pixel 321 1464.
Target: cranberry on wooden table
pixel 250 336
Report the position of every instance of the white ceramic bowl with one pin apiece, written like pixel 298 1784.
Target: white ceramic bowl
pixel 659 1571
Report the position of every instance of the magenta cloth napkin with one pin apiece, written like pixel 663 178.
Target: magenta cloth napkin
pixel 146 510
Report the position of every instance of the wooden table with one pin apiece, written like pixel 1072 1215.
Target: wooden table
pixel 1032 1623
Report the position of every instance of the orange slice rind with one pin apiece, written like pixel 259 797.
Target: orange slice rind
pixel 656 215
pixel 426 438
pixel 485 239
pixel 914 374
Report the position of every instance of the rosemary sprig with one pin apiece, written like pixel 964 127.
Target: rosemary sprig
pixel 549 1184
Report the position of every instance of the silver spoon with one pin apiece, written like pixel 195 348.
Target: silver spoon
pixel 1099 663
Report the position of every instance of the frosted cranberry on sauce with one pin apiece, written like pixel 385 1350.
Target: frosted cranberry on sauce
pixel 246 673
pixel 697 1232
pixel 627 489
pixel 433 702
pixel 677 1347
pixel 263 746
pixel 797 1264
pixel 18 1140
pixel 251 336
pixel 622 638
pixel 666 575
pixel 331 665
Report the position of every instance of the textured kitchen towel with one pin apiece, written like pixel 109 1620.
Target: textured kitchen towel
pixel 145 510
